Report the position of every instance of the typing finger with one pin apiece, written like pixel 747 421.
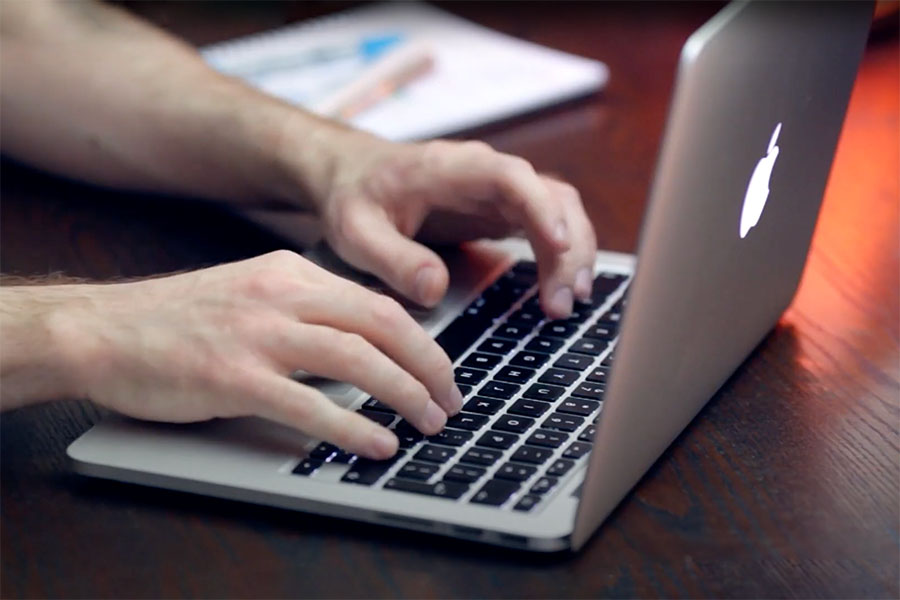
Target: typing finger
pixel 383 322
pixel 309 410
pixel 565 276
pixel 349 357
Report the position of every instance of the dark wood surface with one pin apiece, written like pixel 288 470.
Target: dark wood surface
pixel 787 485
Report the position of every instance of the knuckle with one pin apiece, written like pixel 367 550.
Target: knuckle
pixel 388 312
pixel 282 258
pixel 477 147
pixel 267 282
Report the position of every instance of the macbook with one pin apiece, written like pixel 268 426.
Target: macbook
pixel 562 418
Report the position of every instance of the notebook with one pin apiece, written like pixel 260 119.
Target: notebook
pixel 478 75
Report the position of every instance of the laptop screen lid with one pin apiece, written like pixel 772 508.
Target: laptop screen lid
pixel 759 101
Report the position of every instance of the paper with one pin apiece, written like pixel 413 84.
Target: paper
pixel 479 75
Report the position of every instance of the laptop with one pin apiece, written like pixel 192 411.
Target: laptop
pixel 562 418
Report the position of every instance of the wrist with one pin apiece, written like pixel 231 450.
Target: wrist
pixel 41 345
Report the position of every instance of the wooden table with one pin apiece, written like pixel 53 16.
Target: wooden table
pixel 786 485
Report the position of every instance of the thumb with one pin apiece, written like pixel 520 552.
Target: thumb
pixel 368 240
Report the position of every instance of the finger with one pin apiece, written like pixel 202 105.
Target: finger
pixel 309 410
pixel 384 323
pixel 349 357
pixel 564 276
pixel 368 240
pixel 475 170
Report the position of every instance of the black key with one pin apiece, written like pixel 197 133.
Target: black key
pixel 515 374
pixel 512 332
pixel 532 360
pixel 496 346
pixel 588 434
pixel 307 466
pixel 467 421
pixel 464 473
pixel 481 456
pixel 408 435
pixel 496 389
pixel 418 470
pixel 526 503
pixel 604 285
pixel 543 391
pixel 544 485
pixel 476 360
pixel 611 318
pixel 343 457
pixel 459 335
pixel 515 471
pixel 469 376
pixel 441 489
pixel 381 418
pixel 495 492
pixel 580 313
pixel 451 437
pixel 560 467
pixel 577 406
pixel 375 404
pixel 589 389
pixel 513 423
pixel 323 451
pixel 599 375
pixel 464 389
pixel 528 408
pixel 547 438
pixel 485 406
pixel 563 422
pixel 559 329
pixel 525 266
pixel 608 360
pixel 497 439
pixel 601 332
pixel 366 471
pixel 544 344
pixel 573 362
pixel 531 454
pixel 588 346
pixel 558 377
pixel 577 450
pixel 526 316
pixel 437 454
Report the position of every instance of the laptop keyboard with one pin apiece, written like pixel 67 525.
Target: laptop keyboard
pixel 533 391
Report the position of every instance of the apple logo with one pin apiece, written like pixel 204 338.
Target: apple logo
pixel 758 188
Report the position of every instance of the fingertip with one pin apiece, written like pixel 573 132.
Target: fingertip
pixel 559 305
pixel 431 285
pixel 382 445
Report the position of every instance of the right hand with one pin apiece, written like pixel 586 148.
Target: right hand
pixel 221 342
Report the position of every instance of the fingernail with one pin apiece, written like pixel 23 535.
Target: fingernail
pixel 434 418
pixel 561 233
pixel 384 444
pixel 424 283
pixel 456 400
pixel 561 303
pixel 583 283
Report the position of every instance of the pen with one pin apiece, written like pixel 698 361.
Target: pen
pixel 395 69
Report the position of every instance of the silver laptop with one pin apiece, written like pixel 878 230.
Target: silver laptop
pixel 562 418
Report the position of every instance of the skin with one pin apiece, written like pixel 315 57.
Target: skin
pixel 93 93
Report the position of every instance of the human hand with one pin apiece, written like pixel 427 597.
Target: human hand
pixel 382 194
pixel 221 342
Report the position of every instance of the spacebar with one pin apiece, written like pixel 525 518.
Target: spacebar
pixel 459 335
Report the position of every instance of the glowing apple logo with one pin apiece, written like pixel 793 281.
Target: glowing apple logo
pixel 758 188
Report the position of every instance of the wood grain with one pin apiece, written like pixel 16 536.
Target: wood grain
pixel 787 485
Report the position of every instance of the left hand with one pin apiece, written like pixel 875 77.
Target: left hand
pixel 384 194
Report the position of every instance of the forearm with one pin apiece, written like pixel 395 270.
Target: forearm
pixel 36 344
pixel 91 92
